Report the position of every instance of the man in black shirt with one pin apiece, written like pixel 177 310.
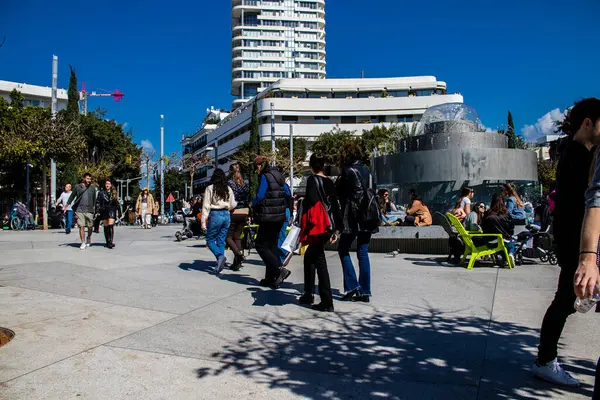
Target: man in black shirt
pixel 571 183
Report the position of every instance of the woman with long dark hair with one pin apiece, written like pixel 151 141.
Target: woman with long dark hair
pixel 496 220
pixel 320 222
pixel 472 222
pixel 108 204
pixel 239 216
pixel 418 213
pixel 218 202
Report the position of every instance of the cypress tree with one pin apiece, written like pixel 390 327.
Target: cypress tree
pixel 73 93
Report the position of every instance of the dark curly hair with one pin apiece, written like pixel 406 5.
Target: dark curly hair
pixel 219 182
pixel 583 109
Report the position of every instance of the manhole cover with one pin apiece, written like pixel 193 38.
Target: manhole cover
pixel 6 336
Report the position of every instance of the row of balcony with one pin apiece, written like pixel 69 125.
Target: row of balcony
pixel 302 4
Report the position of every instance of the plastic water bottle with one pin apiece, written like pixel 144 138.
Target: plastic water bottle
pixel 585 305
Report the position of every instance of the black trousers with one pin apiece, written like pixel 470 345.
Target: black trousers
pixel 562 306
pixel 315 261
pixel 234 240
pixel 266 246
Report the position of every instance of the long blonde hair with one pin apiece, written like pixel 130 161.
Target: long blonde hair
pixel 512 191
pixel 236 176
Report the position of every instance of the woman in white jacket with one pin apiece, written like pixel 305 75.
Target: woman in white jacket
pixel 219 200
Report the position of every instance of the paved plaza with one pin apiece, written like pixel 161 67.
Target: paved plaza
pixel 148 320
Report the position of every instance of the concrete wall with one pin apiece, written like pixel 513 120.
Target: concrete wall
pixel 457 164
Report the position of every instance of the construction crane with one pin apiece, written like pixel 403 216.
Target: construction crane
pixel 117 95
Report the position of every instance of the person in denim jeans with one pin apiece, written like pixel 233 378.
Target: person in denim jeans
pixel 218 202
pixel 350 189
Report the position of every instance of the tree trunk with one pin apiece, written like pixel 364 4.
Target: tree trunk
pixel 44 200
pixel 191 184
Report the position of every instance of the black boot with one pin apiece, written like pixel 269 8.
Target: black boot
pixel 111 236
pixel 107 236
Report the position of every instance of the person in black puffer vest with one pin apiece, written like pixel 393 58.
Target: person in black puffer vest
pixel 269 205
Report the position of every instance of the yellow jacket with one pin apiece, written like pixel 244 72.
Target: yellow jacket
pixel 138 204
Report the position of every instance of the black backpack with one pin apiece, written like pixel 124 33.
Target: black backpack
pixel 369 213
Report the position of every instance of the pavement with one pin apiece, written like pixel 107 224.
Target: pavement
pixel 148 320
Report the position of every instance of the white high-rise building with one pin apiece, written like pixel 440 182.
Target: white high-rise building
pixel 275 39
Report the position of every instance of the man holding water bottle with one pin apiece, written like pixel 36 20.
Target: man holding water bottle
pixel 587 276
pixel 582 126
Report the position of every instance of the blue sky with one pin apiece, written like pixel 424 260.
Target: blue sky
pixel 534 57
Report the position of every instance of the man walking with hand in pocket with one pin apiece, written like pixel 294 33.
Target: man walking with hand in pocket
pixel 83 198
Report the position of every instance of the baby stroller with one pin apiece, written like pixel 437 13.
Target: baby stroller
pixel 537 241
pixel 192 228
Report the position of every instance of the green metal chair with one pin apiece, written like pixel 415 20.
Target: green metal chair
pixel 476 252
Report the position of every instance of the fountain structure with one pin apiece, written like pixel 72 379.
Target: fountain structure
pixel 452 150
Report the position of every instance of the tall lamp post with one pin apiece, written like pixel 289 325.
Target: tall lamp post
pixel 162 164
pixel 272 128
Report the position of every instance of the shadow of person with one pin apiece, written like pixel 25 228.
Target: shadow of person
pixel 420 354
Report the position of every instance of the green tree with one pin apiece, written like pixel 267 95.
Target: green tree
pixel 330 144
pixel 110 152
pixel 510 131
pixel 73 94
pixel 413 129
pixel 175 180
pixel 17 101
pixel 546 174
pixel 253 146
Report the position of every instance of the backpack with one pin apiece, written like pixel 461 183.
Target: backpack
pixel 369 213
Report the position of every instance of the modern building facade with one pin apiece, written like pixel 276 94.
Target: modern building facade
pixel 275 39
pixel 312 107
pixel 34 95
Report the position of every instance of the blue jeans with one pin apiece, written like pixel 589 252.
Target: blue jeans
pixel 69 221
pixel 364 265
pixel 282 235
pixel 216 231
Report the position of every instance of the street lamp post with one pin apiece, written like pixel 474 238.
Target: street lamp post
pixel 291 159
pixel 272 128
pixel 162 164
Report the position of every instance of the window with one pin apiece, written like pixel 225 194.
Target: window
pixel 405 118
pixel 290 119
pixel 317 95
pixel 364 95
pixel 348 119
pixel 343 95
pixel 251 20
pixel 322 120
pixel 427 92
pixel 399 93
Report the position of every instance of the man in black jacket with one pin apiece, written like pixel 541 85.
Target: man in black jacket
pixel 572 178
pixel 269 206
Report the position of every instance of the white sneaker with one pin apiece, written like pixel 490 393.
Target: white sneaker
pixel 82 247
pixel 554 373
pixel 88 243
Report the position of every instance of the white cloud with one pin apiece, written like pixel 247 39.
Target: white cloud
pixel 543 126
pixel 147 146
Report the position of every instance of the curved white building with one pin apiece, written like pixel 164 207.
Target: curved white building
pixel 314 107
pixel 275 39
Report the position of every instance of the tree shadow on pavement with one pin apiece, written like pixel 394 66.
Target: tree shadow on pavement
pixel 372 355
